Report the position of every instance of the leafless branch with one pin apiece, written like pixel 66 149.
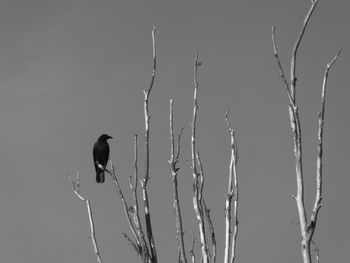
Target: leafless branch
pixel 196 184
pixel 136 218
pixel 178 144
pixel 293 78
pixel 296 131
pixel 203 209
pixel 212 232
pixel 174 158
pixel 132 243
pixel 144 181
pixel 278 62
pixel 200 181
pixel 193 255
pixel 232 192
pixel 319 179
pixel 128 210
pixel 306 229
pixel 76 190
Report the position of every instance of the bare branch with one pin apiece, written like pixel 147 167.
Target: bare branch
pixel 196 186
pixel 293 78
pixel 146 175
pixel 295 124
pixel 330 64
pixel 132 243
pixel 194 118
pixel 154 62
pixel 319 179
pixel 76 189
pixel 232 192
pixel 212 232
pixel 204 209
pixel 128 210
pixel 278 62
pixel 296 131
pixel 174 169
pixel 136 218
pixel 193 256
pixel 306 229
pixel 200 180
pixel 178 144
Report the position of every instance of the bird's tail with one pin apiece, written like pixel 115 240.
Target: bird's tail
pixel 100 177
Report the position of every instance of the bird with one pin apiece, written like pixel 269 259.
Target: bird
pixel 101 155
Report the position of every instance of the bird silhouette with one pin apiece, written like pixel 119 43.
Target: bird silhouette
pixel 100 155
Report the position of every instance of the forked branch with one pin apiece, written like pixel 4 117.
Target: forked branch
pixel 306 228
pixel 136 211
pixel 128 210
pixel 174 158
pixel 76 189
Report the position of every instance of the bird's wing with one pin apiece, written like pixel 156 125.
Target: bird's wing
pixel 104 154
pixel 95 154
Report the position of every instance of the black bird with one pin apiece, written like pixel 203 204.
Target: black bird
pixel 101 155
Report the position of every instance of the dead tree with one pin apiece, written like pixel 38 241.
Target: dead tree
pixel 307 223
pixel 143 243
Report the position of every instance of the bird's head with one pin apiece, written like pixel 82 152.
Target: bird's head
pixel 104 137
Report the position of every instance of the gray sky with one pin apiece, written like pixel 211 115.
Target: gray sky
pixel 71 70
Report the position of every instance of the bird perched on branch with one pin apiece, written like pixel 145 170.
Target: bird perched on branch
pixel 100 156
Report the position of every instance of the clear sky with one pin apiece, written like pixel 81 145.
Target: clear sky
pixel 71 70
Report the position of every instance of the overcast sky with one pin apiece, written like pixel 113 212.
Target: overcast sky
pixel 71 70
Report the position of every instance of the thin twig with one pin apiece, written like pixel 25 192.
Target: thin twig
pixel 212 232
pixel 174 158
pixel 319 179
pixel 76 189
pixel 132 243
pixel 128 212
pixel 200 181
pixel 293 78
pixel 178 144
pixel 232 192
pixel 193 255
pixel 278 62
pixel 138 225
